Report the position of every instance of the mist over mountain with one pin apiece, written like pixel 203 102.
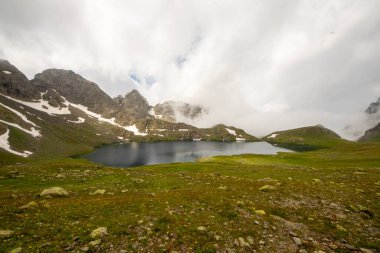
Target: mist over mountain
pixel 263 66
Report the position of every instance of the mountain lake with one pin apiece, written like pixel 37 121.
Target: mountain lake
pixel 137 154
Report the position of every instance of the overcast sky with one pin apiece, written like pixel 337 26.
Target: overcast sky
pixel 259 65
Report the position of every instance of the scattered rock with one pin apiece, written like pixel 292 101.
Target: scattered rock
pixel 250 240
pixel 339 227
pixel 60 176
pixel 261 212
pixel 349 246
pixel 266 179
pixel 291 233
pixel 222 188
pixel 30 205
pixel 100 192
pixel 366 250
pixel 85 249
pixel 217 237
pixel 266 188
pixel 6 233
pixel 297 241
pixel 99 232
pixel 241 242
pixel 360 208
pixel 201 228
pixel 332 246
pixel 54 192
pixel 95 243
pixel 16 250
pixel 317 180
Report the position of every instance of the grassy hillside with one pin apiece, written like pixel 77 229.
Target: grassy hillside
pixel 305 138
pixel 322 200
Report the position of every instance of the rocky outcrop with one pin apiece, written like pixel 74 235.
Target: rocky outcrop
pixel 14 83
pixel 132 107
pixel 75 89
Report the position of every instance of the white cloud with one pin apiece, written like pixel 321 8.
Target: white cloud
pixel 260 65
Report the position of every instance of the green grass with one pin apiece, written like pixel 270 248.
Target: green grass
pixel 306 138
pixel 159 208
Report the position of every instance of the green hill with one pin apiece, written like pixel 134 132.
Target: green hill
pixel 305 138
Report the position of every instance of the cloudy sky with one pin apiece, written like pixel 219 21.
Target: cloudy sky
pixel 259 65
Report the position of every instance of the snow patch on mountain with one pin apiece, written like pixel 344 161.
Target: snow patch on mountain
pixel 7 72
pixel 152 113
pixel 42 105
pixel 33 132
pixel 134 130
pixel 230 131
pixel 22 116
pixel 273 136
pixel 4 144
pixel 80 120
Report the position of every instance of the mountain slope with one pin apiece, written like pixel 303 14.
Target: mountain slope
pixel 59 114
pixel 305 138
pixel 14 83
pixel 75 89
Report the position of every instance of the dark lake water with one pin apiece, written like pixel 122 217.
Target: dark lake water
pixel 137 154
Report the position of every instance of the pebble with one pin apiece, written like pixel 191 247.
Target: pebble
pixel 366 250
pixel 6 233
pixel 85 249
pixel 261 212
pixel 201 228
pixel 95 242
pixel 16 250
pixel 54 192
pixel 100 192
pixel 30 205
pixel 242 242
pixel 99 232
pixel 297 241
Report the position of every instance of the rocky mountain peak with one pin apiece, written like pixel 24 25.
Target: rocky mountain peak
pixel 14 83
pixel 75 89
pixel 133 106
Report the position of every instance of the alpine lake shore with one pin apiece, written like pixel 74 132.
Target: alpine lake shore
pixel 321 200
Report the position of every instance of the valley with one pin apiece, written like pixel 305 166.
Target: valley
pixel 322 198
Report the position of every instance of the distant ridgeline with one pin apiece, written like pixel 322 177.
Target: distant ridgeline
pixel 305 138
pixel 59 113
